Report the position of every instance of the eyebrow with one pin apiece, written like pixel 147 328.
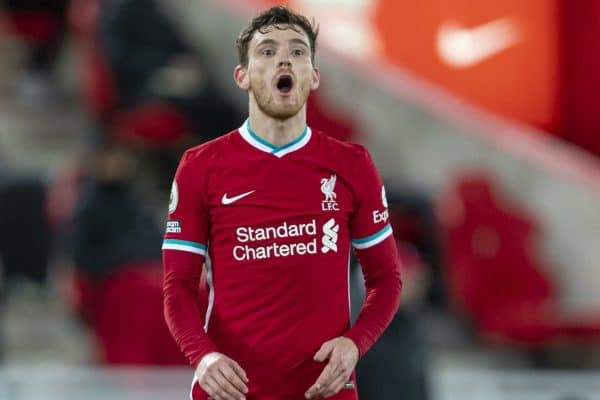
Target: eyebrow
pixel 273 41
pixel 299 41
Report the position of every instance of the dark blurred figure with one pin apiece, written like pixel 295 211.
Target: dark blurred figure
pixel 25 234
pixel 111 226
pixel 396 367
pixel 42 25
pixel 413 220
pixel 118 261
pixel 150 60
pixel 145 84
pixel 151 63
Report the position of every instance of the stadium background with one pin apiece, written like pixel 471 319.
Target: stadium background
pixel 480 115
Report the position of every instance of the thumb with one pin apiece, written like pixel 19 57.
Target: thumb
pixel 324 352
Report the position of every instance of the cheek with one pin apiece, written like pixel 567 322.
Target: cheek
pixel 259 69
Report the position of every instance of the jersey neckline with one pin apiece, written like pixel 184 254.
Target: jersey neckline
pixel 278 151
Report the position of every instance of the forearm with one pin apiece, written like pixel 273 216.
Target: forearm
pixel 383 284
pixel 181 308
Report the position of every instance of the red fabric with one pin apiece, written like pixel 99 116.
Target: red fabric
pixel 494 271
pixel 496 276
pixel 153 124
pixel 381 269
pixel 339 125
pixel 582 59
pixel 185 316
pixel 124 311
pixel 37 27
pixel 198 394
pixel 98 90
pixel 279 254
pixel 83 18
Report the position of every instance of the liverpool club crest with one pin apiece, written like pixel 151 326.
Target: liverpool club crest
pixel 328 189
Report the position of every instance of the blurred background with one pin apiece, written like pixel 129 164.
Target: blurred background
pixel 481 115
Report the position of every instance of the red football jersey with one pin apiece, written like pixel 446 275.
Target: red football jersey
pixel 276 225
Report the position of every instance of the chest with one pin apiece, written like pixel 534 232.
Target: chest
pixel 265 190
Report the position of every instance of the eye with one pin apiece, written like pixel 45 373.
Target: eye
pixel 268 52
pixel 298 52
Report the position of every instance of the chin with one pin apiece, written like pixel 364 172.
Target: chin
pixel 282 115
pixel 284 112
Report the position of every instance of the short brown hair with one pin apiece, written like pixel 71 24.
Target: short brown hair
pixel 279 17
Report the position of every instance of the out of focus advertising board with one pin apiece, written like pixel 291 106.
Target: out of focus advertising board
pixel 502 55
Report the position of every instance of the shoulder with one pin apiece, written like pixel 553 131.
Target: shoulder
pixel 343 151
pixel 208 151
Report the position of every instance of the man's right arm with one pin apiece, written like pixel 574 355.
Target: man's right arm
pixel 181 306
pixel 184 251
pixel 217 374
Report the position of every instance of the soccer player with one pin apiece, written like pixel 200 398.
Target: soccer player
pixel 272 209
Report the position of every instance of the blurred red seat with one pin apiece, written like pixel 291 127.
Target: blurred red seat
pixel 154 124
pixel 495 273
pixel 35 27
pixel 124 311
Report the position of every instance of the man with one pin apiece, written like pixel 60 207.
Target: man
pixel 272 209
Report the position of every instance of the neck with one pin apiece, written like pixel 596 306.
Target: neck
pixel 278 132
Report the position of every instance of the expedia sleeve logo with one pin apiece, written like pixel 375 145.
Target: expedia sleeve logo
pixel 381 216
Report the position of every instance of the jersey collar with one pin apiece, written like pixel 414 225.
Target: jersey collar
pixel 278 151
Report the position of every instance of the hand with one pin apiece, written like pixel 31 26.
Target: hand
pixel 221 377
pixel 343 356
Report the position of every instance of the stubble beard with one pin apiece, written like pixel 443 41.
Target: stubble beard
pixel 265 100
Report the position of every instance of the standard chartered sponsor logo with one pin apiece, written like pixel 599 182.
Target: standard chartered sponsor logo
pixel 306 244
pixel 330 236
pixel 249 234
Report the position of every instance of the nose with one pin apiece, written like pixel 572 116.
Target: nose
pixel 284 58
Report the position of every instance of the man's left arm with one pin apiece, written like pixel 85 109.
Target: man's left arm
pixel 376 250
pixel 375 245
pixel 381 270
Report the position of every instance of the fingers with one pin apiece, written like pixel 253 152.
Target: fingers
pixel 233 378
pixel 226 390
pixel 239 371
pixel 334 386
pixel 343 355
pixel 324 352
pixel 222 378
pixel 332 377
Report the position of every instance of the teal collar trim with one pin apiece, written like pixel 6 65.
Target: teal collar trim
pixel 256 141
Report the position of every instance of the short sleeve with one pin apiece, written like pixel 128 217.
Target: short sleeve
pixel 187 222
pixel 370 221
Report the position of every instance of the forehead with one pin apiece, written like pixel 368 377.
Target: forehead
pixel 282 33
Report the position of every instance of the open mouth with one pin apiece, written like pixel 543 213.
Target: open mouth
pixel 285 83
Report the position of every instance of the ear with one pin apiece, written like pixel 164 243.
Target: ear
pixel 316 79
pixel 240 75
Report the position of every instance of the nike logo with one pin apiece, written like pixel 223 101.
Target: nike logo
pixel 461 47
pixel 229 200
